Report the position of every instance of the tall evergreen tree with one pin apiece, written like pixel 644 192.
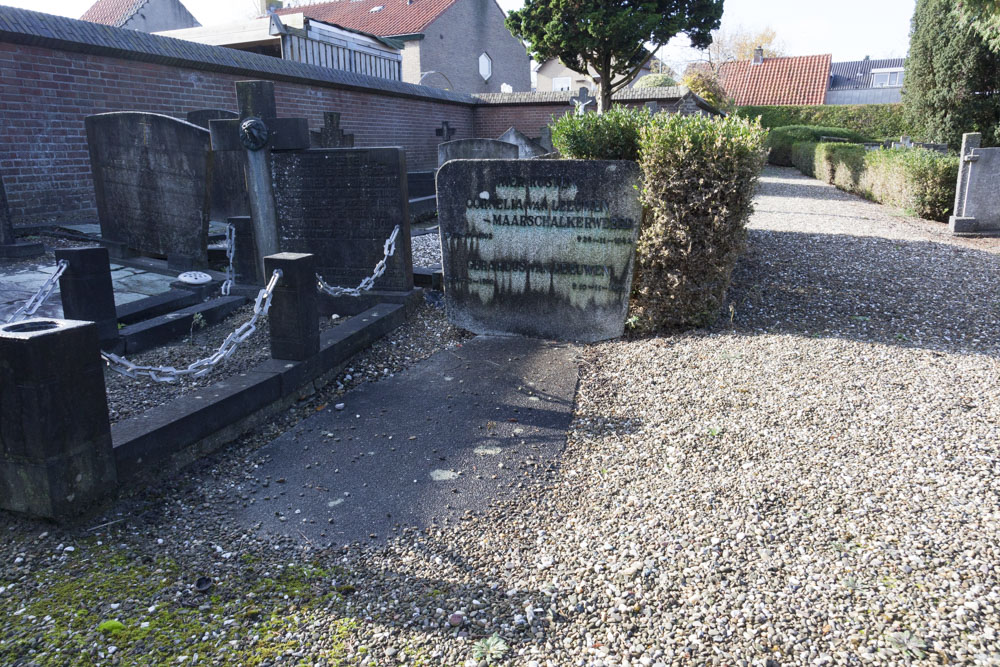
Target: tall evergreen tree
pixel 952 77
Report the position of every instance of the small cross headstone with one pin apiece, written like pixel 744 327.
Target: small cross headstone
pixel 446 132
pixel 581 101
pixel 259 128
pixel 652 107
pixel 330 135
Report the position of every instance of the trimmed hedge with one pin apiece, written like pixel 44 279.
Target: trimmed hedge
pixel 918 181
pixel 878 121
pixel 700 178
pixel 781 140
pixel 612 135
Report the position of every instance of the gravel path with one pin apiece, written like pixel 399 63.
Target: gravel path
pixel 814 480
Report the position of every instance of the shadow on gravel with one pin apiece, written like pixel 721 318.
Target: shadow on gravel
pixel 907 293
pixel 789 182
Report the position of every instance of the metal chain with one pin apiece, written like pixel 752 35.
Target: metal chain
pixel 227 285
pixel 203 366
pixel 388 250
pixel 44 292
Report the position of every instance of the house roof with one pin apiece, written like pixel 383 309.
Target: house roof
pixel 112 12
pixel 794 80
pixel 857 73
pixel 378 17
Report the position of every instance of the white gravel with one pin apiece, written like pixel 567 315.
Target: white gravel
pixel 814 480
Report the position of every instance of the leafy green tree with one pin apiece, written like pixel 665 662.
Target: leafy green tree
pixel 951 85
pixel 610 36
pixel 655 81
pixel 984 17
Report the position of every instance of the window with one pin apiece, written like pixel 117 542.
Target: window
pixel 883 78
pixel 485 67
pixel 562 83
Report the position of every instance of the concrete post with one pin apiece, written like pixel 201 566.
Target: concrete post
pixel 294 316
pixel 86 290
pixel 56 456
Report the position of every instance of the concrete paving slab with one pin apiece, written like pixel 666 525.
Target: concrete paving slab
pixel 448 435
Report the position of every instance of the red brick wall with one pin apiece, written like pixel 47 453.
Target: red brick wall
pixel 494 120
pixel 45 94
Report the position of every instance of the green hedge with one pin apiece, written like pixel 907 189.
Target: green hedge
pixel 877 121
pixel 613 135
pixel 781 140
pixel 918 181
pixel 700 177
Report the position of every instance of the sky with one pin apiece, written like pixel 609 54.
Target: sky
pixel 847 29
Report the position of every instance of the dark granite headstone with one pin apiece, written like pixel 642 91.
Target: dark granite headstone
pixel 150 178
pixel 201 117
pixel 9 245
pixel 539 247
pixel 476 149
pixel 330 135
pixel 341 204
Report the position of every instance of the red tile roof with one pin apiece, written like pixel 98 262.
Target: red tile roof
pixel 396 17
pixel 112 12
pixel 795 80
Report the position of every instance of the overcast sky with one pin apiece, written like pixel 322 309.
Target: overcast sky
pixel 848 29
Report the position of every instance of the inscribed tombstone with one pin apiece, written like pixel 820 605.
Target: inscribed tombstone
pixel 341 204
pixel 539 247
pixel 476 149
pixel 150 179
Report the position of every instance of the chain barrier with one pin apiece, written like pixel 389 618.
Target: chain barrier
pixel 227 285
pixel 41 296
pixel 203 366
pixel 388 251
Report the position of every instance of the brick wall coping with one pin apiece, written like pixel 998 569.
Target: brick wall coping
pixel 660 94
pixel 22 26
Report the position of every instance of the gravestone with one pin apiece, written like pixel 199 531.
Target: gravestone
pixel 341 205
pixel 526 146
pixel 582 101
pixel 652 107
pixel 977 197
pixel 330 135
pixel 150 179
pixel 258 131
pixel 545 138
pixel 202 117
pixel 446 131
pixel 228 186
pixel 539 247
pixel 9 245
pixel 476 149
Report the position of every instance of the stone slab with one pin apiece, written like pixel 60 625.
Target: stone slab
pixel 539 247
pixel 171 326
pixel 494 400
pixel 150 180
pixel 526 146
pixel 477 149
pixel 341 205
pixel 151 306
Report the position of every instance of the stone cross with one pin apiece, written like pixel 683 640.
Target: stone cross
pixel 9 246
pixel 446 132
pixel 581 101
pixel 258 131
pixel 330 135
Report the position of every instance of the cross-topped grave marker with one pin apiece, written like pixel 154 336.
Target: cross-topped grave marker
pixel 330 135
pixel 446 132
pixel 581 101
pixel 259 131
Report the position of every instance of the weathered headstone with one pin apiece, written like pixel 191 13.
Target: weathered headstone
pixel 476 149
pixel 539 247
pixel 341 205
pixel 545 138
pixel 446 131
pixel 150 178
pixel 330 135
pixel 259 131
pixel 202 117
pixel 977 200
pixel 526 146
pixel 9 245
pixel 652 107
pixel 582 100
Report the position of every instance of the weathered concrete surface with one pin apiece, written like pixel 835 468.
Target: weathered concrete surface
pixel 977 192
pixel 445 436
pixel 476 149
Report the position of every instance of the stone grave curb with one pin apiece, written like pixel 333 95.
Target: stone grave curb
pixel 163 328
pixel 168 437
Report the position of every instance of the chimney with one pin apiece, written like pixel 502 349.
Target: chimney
pixel 758 55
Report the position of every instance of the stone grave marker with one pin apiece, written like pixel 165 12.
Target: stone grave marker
pixel 476 149
pixel 258 131
pixel 341 204
pixel 330 135
pixel 977 200
pixel 446 131
pixel 150 176
pixel 582 101
pixel 526 146
pixel 228 196
pixel 201 117
pixel 9 245
pixel 539 247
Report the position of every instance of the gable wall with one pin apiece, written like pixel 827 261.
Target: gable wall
pixel 157 15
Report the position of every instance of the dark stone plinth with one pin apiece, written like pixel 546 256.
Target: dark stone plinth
pixel 476 149
pixel 539 247
pixel 86 289
pixel 55 438
pixel 245 262
pixel 294 316
pixel 10 247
